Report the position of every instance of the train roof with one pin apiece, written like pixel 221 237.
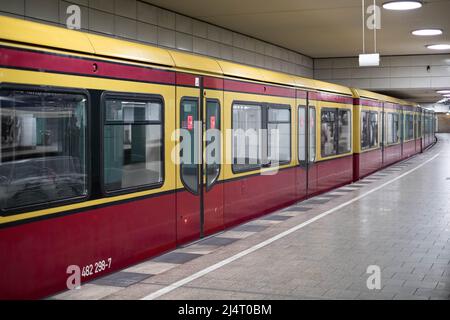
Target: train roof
pixel 32 33
pixel 361 93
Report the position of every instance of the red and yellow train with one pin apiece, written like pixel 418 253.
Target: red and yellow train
pixel 87 172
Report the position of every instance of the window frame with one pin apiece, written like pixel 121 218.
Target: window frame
pixel 398 132
pixel 409 120
pixel 309 110
pixel 265 122
pixel 369 113
pixel 216 179
pixel 309 153
pixel 264 106
pixel 233 165
pixel 178 125
pixel 88 162
pixel 336 140
pixel 133 97
pixel 336 134
pixel 300 161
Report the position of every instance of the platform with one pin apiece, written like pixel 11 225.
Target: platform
pixel 397 219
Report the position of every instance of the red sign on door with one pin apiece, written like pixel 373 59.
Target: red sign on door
pixel 190 122
pixel 212 122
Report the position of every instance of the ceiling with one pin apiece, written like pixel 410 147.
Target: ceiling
pixel 320 28
pixel 416 95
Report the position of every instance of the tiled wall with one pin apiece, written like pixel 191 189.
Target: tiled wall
pixel 396 72
pixel 137 20
pixel 443 125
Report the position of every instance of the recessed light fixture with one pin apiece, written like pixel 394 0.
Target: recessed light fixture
pixel 402 5
pixel 427 32
pixel 442 46
pixel 443 91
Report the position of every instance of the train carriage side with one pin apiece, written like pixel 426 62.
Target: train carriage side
pixel 392 137
pixel 333 165
pixel 90 173
pixel 257 178
pixel 367 133
pixel 418 128
pixel 409 130
pixel 62 203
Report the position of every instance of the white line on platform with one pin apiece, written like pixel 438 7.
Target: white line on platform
pixel 260 245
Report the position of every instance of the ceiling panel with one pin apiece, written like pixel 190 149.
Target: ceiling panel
pixel 320 28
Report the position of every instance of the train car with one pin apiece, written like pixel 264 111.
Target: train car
pixel 386 130
pixel 429 122
pixel 418 128
pixel 368 110
pixel 408 136
pixel 106 150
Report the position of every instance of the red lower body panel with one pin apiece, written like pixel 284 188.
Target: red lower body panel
pixel 326 175
pixel 366 163
pixel 253 196
pixel 409 149
pixel 392 154
pixel 35 256
pixel 213 209
pixel 418 145
pixel 188 217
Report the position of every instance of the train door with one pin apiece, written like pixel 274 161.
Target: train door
pixel 383 134
pixel 199 196
pixel 402 131
pixel 212 186
pixel 312 139
pixel 302 136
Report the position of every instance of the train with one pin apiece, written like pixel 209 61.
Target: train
pixel 89 176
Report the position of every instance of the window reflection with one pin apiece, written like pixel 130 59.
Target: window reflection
pixel 43 147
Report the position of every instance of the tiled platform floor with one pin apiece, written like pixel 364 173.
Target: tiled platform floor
pixel 393 219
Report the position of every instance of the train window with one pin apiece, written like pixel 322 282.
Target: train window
pixel 189 168
pixel 397 129
pixel 369 129
pixel 43 147
pixel 247 121
pixel 373 129
pixel 409 127
pixel 328 132
pixel 279 119
pixel 393 128
pixel 312 134
pixel 390 127
pixel 132 142
pixel 213 127
pixel 301 133
pixel 365 138
pixel 345 131
pixel 418 125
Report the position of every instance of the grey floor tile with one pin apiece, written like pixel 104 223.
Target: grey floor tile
pixel 121 279
pixel 316 201
pixel 276 218
pixel 177 257
pixel 301 209
pixel 251 228
pixel 218 241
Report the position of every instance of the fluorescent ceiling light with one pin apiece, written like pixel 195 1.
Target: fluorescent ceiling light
pixel 442 46
pixel 427 32
pixel 447 95
pixel 443 91
pixel 402 5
